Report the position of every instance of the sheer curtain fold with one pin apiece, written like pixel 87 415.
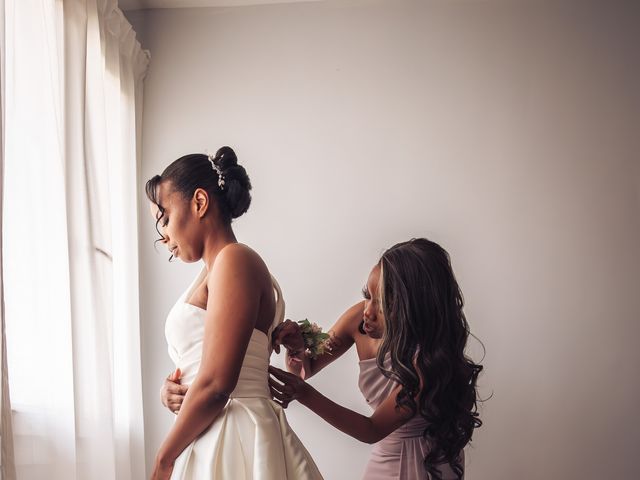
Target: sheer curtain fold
pixel 72 281
pixel 7 466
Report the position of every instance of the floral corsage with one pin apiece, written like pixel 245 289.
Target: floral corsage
pixel 315 340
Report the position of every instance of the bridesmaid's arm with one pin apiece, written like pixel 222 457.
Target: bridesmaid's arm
pixel 232 309
pixel 341 339
pixel 384 420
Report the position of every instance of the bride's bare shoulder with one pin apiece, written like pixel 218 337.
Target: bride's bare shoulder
pixel 240 255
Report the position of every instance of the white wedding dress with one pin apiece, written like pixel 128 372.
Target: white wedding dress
pixel 250 439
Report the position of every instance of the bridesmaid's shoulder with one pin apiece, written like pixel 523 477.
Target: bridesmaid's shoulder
pixel 351 319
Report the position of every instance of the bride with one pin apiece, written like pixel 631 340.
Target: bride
pixel 218 333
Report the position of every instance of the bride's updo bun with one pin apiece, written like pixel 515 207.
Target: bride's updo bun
pixel 219 174
pixel 236 182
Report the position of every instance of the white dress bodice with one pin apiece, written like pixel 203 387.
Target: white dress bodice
pixel 250 439
pixel 184 331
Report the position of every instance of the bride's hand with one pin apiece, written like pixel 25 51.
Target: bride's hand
pixel 172 393
pixel 286 387
pixel 289 335
pixel 161 470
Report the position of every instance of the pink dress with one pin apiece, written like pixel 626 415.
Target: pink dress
pixel 400 455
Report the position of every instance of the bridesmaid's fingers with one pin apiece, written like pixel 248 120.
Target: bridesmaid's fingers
pixel 288 335
pixel 279 397
pixel 279 374
pixel 278 335
pixel 293 359
pixel 280 392
pixel 275 385
pixel 282 403
pixel 275 339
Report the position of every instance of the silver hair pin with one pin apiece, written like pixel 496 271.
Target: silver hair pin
pixel 217 170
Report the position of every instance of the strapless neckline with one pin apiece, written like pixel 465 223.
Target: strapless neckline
pixel 200 309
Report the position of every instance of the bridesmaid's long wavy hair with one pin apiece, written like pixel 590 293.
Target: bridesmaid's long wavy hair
pixel 425 336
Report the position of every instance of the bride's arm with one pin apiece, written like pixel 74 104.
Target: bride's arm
pixel 232 309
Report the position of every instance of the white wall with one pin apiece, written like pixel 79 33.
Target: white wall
pixel 507 131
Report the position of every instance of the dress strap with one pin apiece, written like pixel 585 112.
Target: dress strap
pixel 194 284
pixel 279 314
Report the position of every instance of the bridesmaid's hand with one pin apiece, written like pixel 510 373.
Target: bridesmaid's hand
pixel 289 335
pixel 172 393
pixel 286 387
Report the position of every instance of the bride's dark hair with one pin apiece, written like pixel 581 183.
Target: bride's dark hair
pixel 425 336
pixel 197 170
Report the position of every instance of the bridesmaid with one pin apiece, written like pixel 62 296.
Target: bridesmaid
pixel 410 334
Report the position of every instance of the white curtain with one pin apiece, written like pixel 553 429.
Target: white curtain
pixel 7 465
pixel 73 94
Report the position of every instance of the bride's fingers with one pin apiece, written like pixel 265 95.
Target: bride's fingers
pixel 175 388
pixel 178 389
pixel 176 394
pixel 176 397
